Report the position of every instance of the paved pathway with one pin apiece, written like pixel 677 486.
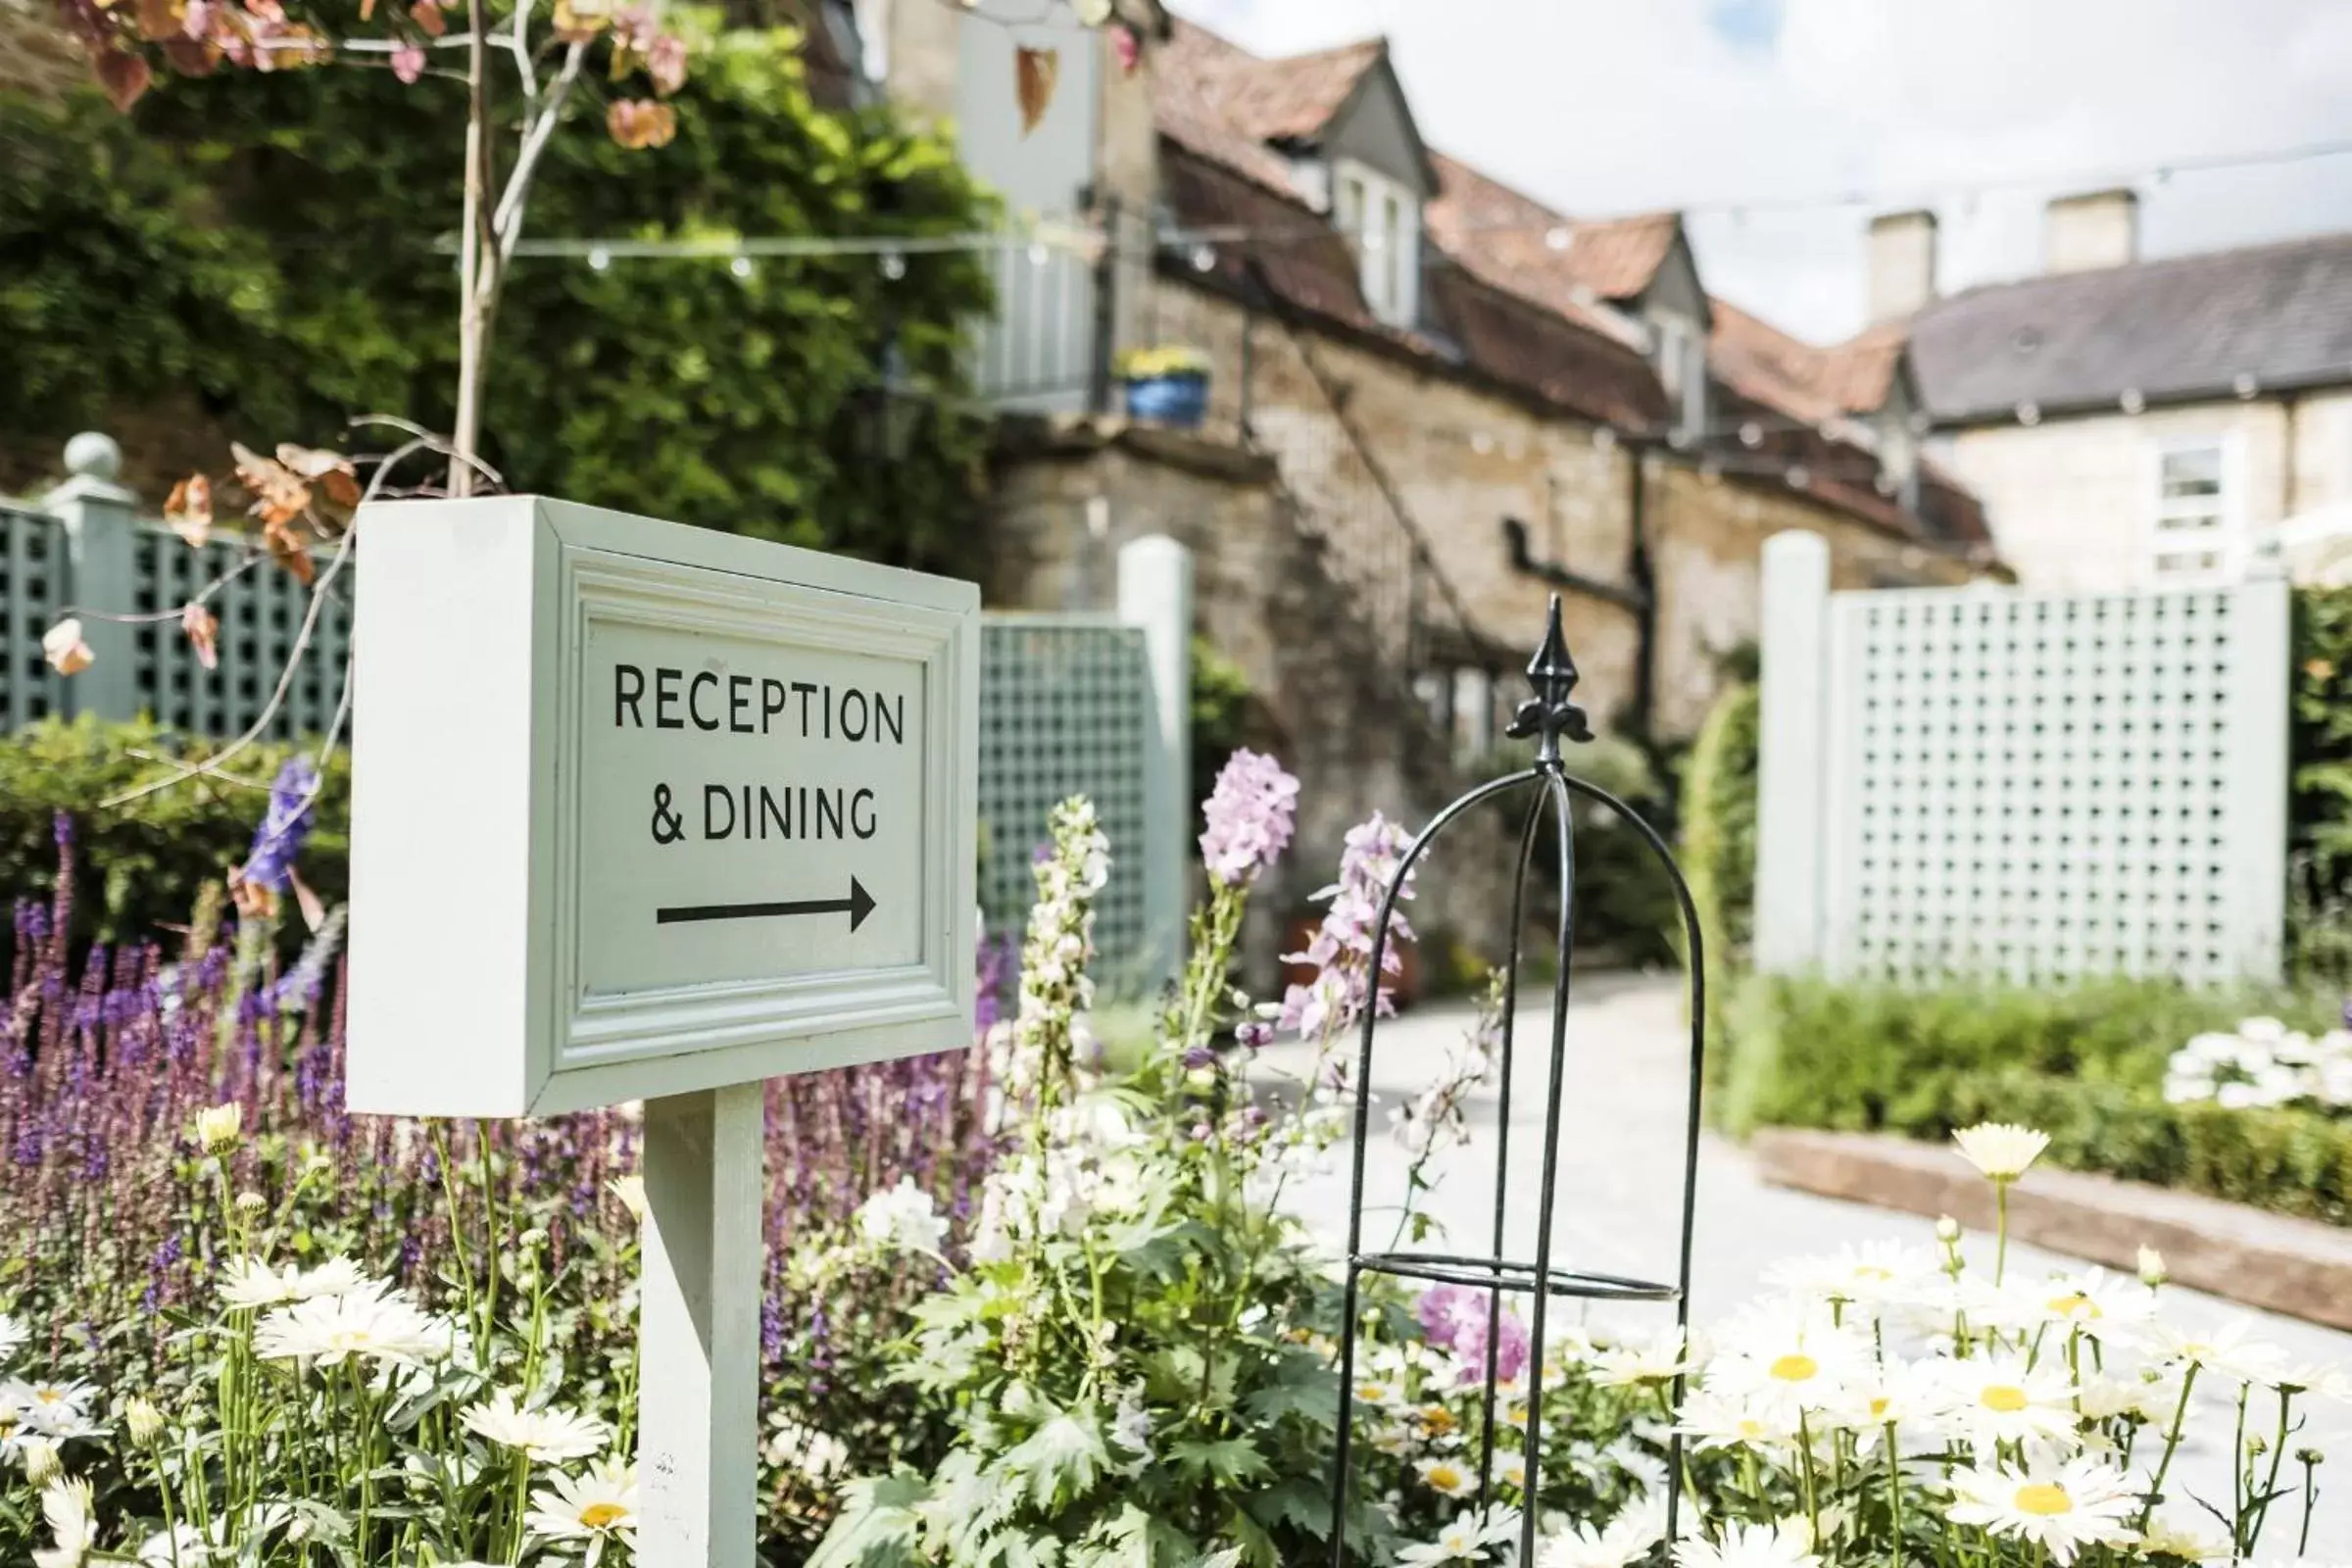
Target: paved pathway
pixel 1620 1175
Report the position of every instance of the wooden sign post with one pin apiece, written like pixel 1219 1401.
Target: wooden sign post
pixel 642 811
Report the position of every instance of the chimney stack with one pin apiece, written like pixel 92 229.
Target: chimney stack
pixel 2098 228
pixel 1902 264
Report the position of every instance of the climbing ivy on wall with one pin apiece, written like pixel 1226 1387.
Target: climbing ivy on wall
pixel 260 257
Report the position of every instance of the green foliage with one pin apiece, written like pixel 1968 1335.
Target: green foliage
pixel 2320 806
pixel 1224 709
pixel 255 255
pixel 148 860
pixel 2083 1063
pixel 1719 846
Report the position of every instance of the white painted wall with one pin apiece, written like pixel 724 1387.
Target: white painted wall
pixel 2072 501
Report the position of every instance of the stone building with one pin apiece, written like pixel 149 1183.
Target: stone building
pixel 1435 401
pixel 2130 422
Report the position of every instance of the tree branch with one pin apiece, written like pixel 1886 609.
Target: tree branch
pixel 506 225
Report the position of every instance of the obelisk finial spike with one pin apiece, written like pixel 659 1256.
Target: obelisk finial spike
pixel 1550 714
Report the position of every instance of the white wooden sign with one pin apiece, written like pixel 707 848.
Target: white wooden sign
pixel 642 811
pixel 642 808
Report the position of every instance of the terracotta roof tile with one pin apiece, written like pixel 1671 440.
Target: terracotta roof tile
pixel 1506 339
pixel 1513 310
pixel 1508 236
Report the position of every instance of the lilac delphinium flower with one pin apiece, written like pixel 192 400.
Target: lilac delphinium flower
pixel 284 825
pixel 1342 949
pixel 1454 1317
pixel 1249 818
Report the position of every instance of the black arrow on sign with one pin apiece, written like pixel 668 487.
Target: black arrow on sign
pixel 858 904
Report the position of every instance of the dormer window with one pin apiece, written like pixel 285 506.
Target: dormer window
pixel 1382 222
pixel 1682 365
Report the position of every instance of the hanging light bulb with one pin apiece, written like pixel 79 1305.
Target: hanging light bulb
pixel 1555 239
pixel 894 265
pixel 1036 254
pixel 1204 257
pixel 741 266
pixel 599 259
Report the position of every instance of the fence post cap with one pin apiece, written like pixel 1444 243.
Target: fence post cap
pixel 94 455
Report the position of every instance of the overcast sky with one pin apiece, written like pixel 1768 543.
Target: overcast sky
pixel 1610 105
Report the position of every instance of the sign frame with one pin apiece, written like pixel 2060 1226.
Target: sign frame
pixel 468 832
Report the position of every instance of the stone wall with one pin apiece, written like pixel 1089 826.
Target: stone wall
pixel 1464 459
pixel 1068 496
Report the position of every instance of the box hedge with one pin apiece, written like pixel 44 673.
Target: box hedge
pixel 144 863
pixel 2083 1063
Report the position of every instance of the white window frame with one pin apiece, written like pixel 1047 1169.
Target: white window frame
pixel 1682 363
pixel 1381 219
pixel 2225 539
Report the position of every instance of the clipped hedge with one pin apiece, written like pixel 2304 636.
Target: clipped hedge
pixel 1718 850
pixel 2083 1063
pixel 145 863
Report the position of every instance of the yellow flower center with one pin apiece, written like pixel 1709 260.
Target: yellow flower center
pixel 2006 1397
pixel 1372 1393
pixel 2044 1498
pixel 1445 1476
pixel 2075 1305
pixel 599 1515
pixel 1878 1406
pixel 1873 1271
pixel 1795 1368
pixel 49 1395
pixel 1437 1419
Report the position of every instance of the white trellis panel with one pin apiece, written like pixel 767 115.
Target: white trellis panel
pixel 2038 786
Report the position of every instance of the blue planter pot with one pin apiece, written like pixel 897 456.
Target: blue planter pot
pixel 1179 400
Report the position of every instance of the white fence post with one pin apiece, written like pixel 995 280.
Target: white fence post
pixel 698 1330
pixel 1791 720
pixel 1155 594
pixel 101 526
pixel 2257 713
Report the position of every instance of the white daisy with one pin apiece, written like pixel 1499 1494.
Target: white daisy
pixel 1884 1395
pixel 1646 1358
pixel 67 1507
pixel 1466 1539
pixel 251 1281
pixel 1447 1477
pixel 2060 1508
pixel 337 1276
pixel 372 1324
pixel 594 1507
pixel 1993 1399
pixel 1719 1421
pixel 2166 1538
pixel 2095 1301
pixel 549 1434
pixel 819 1454
pixel 2000 1150
pixel 12 1336
pixel 1874 1272
pixel 2227 1348
pixel 1787 1359
pixel 1626 1539
pixel 1784 1543
pixel 1376 1392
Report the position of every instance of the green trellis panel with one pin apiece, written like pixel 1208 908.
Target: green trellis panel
pixel 1065 708
pixel 261 613
pixel 32 565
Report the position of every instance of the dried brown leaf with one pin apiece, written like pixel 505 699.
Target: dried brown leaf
pixel 121 77
pixel 1034 73
pixel 189 509
pixel 288 551
pixel 203 630
pixel 65 648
